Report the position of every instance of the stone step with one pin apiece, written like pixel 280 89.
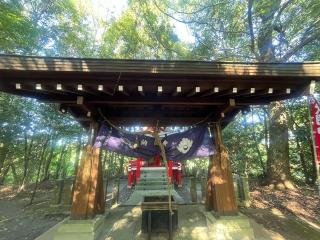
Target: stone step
pixel 153 179
pixel 151 187
pixel 147 178
pixel 150 176
pixel 150 169
pixel 153 174
pixel 153 170
pixel 145 183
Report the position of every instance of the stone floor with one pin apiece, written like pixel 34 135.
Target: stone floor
pixel 124 223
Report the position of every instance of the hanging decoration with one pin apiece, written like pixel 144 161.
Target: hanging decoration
pixel 195 142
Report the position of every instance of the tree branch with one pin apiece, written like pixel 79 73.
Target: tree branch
pixel 195 22
pixel 299 46
pixel 252 45
pixel 282 8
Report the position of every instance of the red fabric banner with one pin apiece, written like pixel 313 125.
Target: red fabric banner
pixel 315 115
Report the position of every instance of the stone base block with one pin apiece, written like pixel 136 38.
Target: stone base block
pixel 235 227
pixel 80 229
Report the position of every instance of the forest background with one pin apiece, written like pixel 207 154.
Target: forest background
pixel 270 143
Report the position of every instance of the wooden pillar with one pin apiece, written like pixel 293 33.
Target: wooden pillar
pixel 220 190
pixel 88 197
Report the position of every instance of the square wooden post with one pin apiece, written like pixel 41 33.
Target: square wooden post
pixel 220 190
pixel 88 197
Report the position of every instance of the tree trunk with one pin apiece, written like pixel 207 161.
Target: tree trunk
pixel 27 153
pixel 3 155
pixel 303 161
pixel 47 165
pixel 60 161
pixel 300 149
pixel 257 145
pixel 4 174
pixel 48 159
pixel 14 173
pixel 76 163
pixel 278 167
pixel 39 170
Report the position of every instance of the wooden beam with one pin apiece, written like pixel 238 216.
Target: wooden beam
pixel 214 90
pixel 140 90
pixel 73 90
pixel 191 68
pixel 312 87
pixel 102 89
pixel 27 89
pixel 164 121
pixel 59 87
pixel 80 87
pixel 122 90
pixel 162 100
pixel 194 91
pixel 159 90
pixel 18 85
pixel 232 91
pixel 50 89
pixel 38 86
pixel 177 91
pixel 80 100
pixel 161 113
pixel 269 92
pixel 245 92
pixel 88 110
pixel 231 105
pixel 88 89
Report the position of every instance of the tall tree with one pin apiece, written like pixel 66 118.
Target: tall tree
pixel 264 31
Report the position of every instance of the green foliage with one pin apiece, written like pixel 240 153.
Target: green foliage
pixel 26 127
pixel 19 33
pixel 281 31
pixel 141 32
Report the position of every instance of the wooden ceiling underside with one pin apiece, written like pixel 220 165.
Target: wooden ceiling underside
pixel 146 91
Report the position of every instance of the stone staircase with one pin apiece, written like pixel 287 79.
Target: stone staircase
pixel 152 178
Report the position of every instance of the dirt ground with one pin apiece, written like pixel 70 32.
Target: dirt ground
pixel 289 214
pixel 20 221
pixel 284 214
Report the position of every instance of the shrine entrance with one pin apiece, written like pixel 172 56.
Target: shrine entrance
pixel 151 93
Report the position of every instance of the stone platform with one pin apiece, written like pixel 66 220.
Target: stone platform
pixel 138 195
pixel 237 227
pixel 90 229
pixel 124 223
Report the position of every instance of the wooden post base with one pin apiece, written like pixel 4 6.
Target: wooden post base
pixel 220 190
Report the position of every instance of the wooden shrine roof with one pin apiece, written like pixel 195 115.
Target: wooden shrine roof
pixel 144 91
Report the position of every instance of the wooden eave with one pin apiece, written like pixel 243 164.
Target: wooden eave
pixel 130 92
